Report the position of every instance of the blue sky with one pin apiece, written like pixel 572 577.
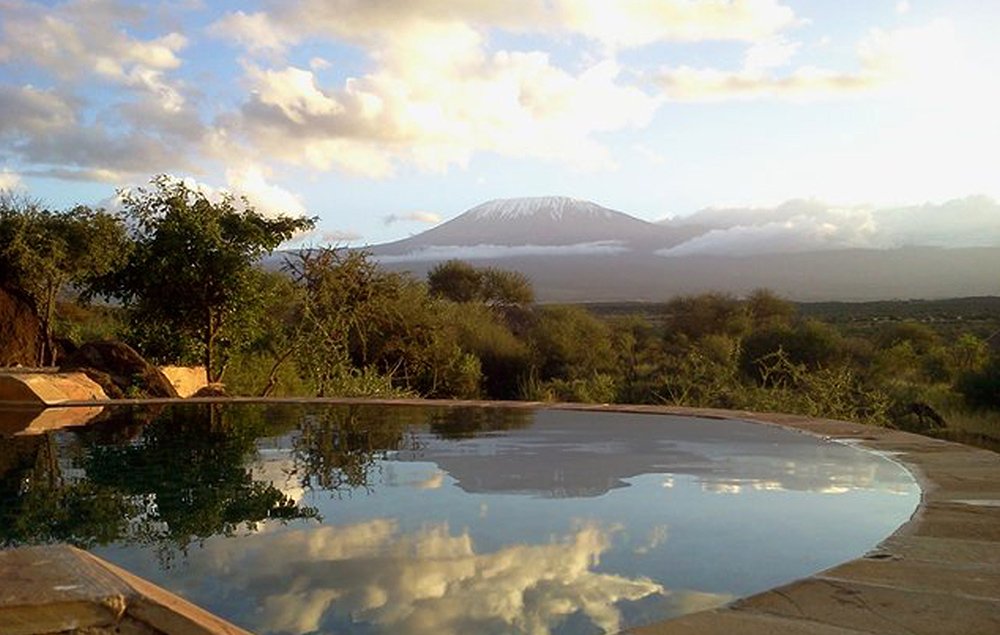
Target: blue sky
pixel 384 116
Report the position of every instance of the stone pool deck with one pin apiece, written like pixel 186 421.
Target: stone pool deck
pixel 938 574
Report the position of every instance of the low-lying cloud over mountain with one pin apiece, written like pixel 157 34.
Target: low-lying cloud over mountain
pixel 576 250
pixel 808 225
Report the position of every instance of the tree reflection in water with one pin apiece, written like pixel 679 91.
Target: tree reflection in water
pixel 176 476
pixel 183 477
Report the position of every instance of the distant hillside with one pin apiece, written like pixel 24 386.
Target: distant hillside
pixel 861 274
pixel 578 251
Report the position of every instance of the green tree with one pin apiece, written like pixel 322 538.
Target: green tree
pixel 455 280
pixel 191 275
pixel 359 318
pixel 689 318
pixel 504 288
pixel 43 253
pixel 570 343
pixel 766 309
pixel 505 360
pixel 459 281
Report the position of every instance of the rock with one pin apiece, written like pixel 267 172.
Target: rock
pixel 211 390
pixel 120 365
pixel 105 381
pixel 20 331
pixel 186 380
pixel 48 388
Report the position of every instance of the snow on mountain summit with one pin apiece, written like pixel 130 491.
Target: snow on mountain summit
pixel 554 207
pixel 553 221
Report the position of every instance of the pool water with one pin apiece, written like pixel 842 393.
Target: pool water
pixel 364 519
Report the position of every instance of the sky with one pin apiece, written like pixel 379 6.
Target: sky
pixel 384 117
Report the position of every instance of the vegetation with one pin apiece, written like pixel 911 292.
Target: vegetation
pixel 189 285
pixel 43 252
pixel 333 322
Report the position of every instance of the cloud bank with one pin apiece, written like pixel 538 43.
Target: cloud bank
pixel 807 225
pixel 488 252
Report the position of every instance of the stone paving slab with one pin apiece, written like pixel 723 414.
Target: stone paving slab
pixel 874 608
pixel 725 622
pixel 969 579
pixel 58 589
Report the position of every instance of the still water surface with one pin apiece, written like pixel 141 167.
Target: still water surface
pixel 363 519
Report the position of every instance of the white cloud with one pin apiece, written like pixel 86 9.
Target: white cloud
pixel 630 23
pixel 620 24
pixel 438 92
pixel 43 128
pixel 436 101
pixel 82 39
pixel 319 63
pixel 918 58
pixel 256 32
pixel 768 54
pixel 484 252
pixel 338 236
pixel 9 180
pixel 269 199
pixel 649 154
pixel 902 7
pixel 142 123
pixel 812 225
pixel 427 218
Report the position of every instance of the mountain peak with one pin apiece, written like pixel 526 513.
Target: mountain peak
pixel 554 207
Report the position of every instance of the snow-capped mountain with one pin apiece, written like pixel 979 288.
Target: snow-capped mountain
pixel 554 207
pixel 528 224
pixel 574 250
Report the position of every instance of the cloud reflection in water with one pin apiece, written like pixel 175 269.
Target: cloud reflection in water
pixel 427 581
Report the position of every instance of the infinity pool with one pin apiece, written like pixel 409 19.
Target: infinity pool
pixel 364 519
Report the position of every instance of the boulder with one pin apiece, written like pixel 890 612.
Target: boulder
pixel 118 364
pixel 20 331
pixel 187 380
pixel 47 388
pixel 211 390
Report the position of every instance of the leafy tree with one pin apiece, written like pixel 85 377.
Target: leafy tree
pixel 43 252
pixel 689 318
pixel 810 343
pixel 357 317
pixel 455 280
pixel 981 389
pixel 767 309
pixel 921 337
pixel 503 287
pixel 191 275
pixel 504 359
pixel 968 354
pixel 571 343
pixel 459 281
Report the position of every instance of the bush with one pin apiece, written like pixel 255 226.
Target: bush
pixel 982 389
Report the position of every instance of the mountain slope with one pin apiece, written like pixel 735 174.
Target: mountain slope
pixel 539 221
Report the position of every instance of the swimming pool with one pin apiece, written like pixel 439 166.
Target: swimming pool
pixel 323 519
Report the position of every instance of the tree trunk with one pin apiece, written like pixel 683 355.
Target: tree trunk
pixel 209 348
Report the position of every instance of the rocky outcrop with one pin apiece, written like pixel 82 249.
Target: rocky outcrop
pixel 20 331
pixel 46 388
pixel 211 390
pixel 187 380
pixel 120 370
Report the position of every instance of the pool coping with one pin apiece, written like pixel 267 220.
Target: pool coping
pixel 938 573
